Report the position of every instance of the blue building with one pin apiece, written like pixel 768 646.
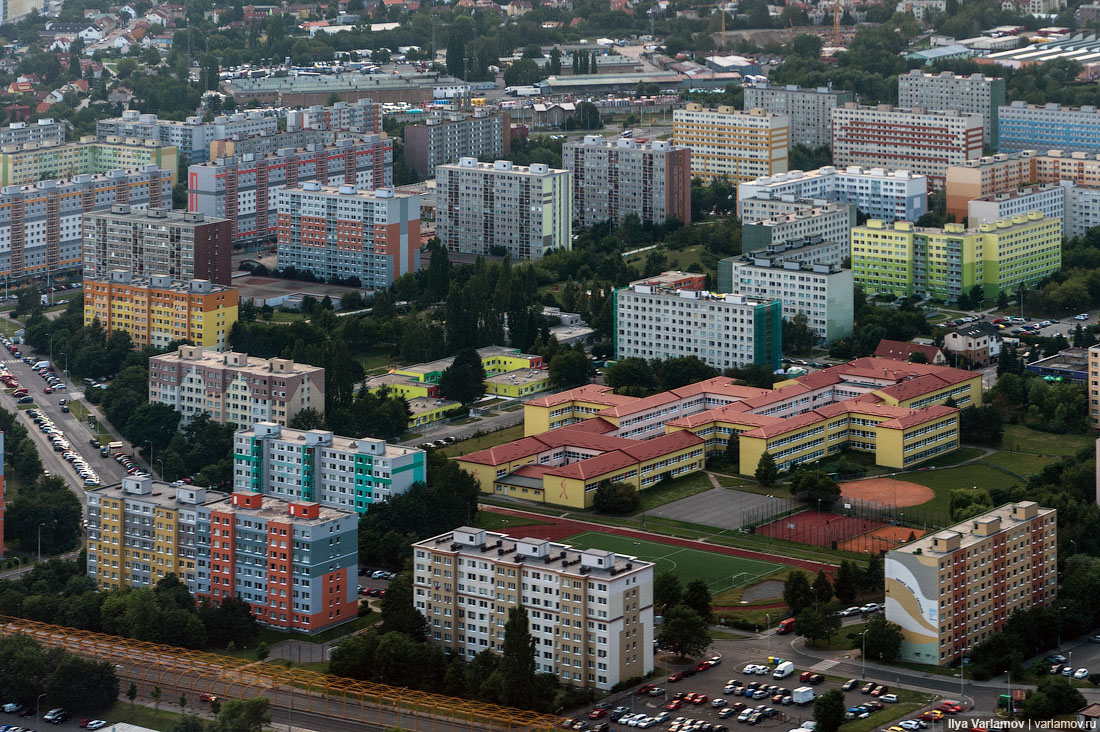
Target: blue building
pixel 1048 127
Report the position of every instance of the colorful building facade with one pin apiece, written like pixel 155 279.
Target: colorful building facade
pixel 31 162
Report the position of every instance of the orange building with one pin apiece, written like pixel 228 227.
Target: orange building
pixel 1009 172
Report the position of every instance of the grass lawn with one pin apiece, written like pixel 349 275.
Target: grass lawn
pixel 280 317
pixel 497 522
pixel 693 256
pixel 147 716
pixel 78 410
pixel 376 359
pixel 953 458
pixel 944 480
pixel 480 443
pixel 1023 439
pixel 7 327
pixel 687 564
pixel 271 636
pixel 675 489
pixel 1024 463
pixel 732 596
pixel 844 639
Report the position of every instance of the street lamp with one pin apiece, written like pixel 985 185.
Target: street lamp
pixel 767 631
pixel 1074 542
pixel 65 373
pixel 40 541
pixel 150 444
pixel 863 656
pixel 38 701
pixel 161 461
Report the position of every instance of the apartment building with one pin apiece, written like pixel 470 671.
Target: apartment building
pixel 447 137
pixel 1094 385
pixel 794 254
pixel 831 222
pixel 41 224
pixel 245 190
pixel 220 546
pixel 484 208
pixel 3 491
pixel 158 310
pixel 904 260
pixel 895 411
pixel 808 111
pixel 732 144
pixel 148 241
pixel 1082 209
pixel 267 143
pixel 768 206
pixel 613 179
pixel 234 388
pixel 373 236
pixel 1050 126
pixel 955 588
pixel 1009 172
pixel 723 330
pixel 192 137
pixel 30 162
pixel 362 115
pixel 920 140
pixel 878 193
pixel 590 612
pixel 821 292
pixel 41 131
pixel 973 94
pixel 1050 199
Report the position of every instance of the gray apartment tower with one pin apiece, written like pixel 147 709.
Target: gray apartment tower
pixel 808 110
pixel 973 94
pixel 447 137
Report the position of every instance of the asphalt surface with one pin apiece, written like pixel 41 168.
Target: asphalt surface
pixel 721 507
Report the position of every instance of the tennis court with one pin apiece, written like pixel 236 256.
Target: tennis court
pixel 719 571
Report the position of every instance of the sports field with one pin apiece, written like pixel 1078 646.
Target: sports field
pixel 719 571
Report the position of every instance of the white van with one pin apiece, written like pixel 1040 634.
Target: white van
pixel 783 670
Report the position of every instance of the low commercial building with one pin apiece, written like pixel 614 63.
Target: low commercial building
pixel 501 208
pixel 979 342
pixel 831 222
pixel 142 530
pixel 970 94
pixel 449 136
pixel 234 388
pixel 722 330
pixel 342 232
pixel 732 144
pixel 613 179
pixel 157 310
pixel 31 162
pixel 1050 126
pixel 920 140
pixel 905 260
pixel 611 634
pixel 906 350
pixel 191 137
pixel 148 241
pixel 1068 365
pixel 876 192
pixel 808 110
pixel 821 292
pixel 301 91
pixel 953 589
pixel 348 473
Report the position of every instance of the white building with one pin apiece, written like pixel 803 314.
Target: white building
pixel 807 110
pixel 723 330
pixel 823 293
pixel 831 222
pixel 1048 198
pixel 483 208
pixel 192 137
pixel 590 612
pixel 44 131
pixel 973 94
pixel 1082 209
pixel 731 143
pixel 894 195
pixel 349 473
pixel 767 206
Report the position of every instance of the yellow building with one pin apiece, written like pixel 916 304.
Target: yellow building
pixel 566 466
pixel 155 311
pixel 737 145
pixel 426 410
pixel 31 162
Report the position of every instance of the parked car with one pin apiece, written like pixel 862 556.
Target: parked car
pixel 849 684
pixel 889 698
pixel 849 612
pixel 1081 673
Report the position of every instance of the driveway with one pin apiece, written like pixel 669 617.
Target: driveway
pixel 723 507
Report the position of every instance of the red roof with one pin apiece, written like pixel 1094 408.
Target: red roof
pixel 900 350
pixel 530 446
pixel 587 393
pixel 918 416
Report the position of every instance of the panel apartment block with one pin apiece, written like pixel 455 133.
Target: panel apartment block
pixel 157 310
pixel 821 292
pixel 973 94
pixel 40 224
pixel 348 473
pixel 831 222
pixel 524 211
pixel 613 179
pixel 1051 126
pixel 920 140
pixel 808 110
pixel 878 193
pixel 266 143
pixel 831 254
pixel 245 189
pixel 904 260
pixel 596 631
pixel 31 162
pixel 986 176
pixel 723 330
pixel 155 241
pixel 344 232
pixel 447 137
pixel 223 546
pixel 235 388
pixel 362 115
pixel 1051 199
pixel 42 131
pixel 953 589
pixel 192 137
pixel 730 143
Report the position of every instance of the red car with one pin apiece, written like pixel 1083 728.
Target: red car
pixel 645 689
pixel 675 704
pixel 673 678
pixel 207 697
pixel 597 713
pixel 703 666
pixel 699 699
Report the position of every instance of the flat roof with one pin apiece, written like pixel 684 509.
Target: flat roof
pixel 520 377
pixel 965 529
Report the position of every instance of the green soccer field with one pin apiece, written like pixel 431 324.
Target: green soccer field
pixel 719 571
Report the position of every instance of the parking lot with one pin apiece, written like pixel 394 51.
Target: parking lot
pixel 696 700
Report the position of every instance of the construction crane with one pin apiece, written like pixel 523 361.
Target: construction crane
pixel 836 24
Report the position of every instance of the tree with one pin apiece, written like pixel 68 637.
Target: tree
pixel 815 485
pixel 797 593
pixel 247 715
pixel 131 693
pixel 183 702
pixel 76 683
pixel 823 589
pixel 883 641
pixel 616 498
pixel 667 591
pixel 673 373
pixel 464 380
pixel 588 116
pixel 873 577
pixel 262 651
pixel 569 368
pixel 155 422
pixel 523 72
pixel 399 613
pixel 766 471
pixel 191 724
pixel 307 419
pixel 816 625
pixel 155 695
pixel 517 668
pixel 684 632
pixel 733 450
pixel 632 376
pixel 847 582
pixel 918 357
pixel 829 711
pixel 697 597
pixel 456 56
pixel 798 336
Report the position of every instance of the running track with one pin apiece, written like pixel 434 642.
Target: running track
pixel 556 529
